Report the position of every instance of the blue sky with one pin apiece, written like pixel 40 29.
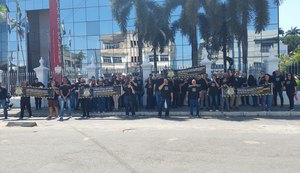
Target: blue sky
pixel 289 14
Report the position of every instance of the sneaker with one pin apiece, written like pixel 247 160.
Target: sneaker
pixel 210 110
pixel 49 118
pixel 61 119
pixel 292 109
pixel 217 110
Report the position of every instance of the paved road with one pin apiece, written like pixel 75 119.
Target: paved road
pixel 150 145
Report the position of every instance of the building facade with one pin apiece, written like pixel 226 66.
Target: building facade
pixel 88 26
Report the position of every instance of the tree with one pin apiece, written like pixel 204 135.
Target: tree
pixel 187 22
pixel 160 34
pixel 293 41
pixel 281 32
pixel 293 31
pixel 246 12
pixel 121 10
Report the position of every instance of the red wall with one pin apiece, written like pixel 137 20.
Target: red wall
pixel 55 42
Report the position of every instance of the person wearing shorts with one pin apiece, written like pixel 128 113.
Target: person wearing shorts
pixel 53 102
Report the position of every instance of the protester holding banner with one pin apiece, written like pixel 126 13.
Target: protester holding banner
pixel 129 91
pixel 252 82
pixel 193 97
pixel 291 89
pixel 64 98
pixel 3 97
pixel 167 97
pixel 53 102
pixel 278 85
pixel 116 82
pixel 266 82
pixel 38 100
pixel 85 101
pixel 224 100
pixel 212 91
pixel 236 82
pixel 25 102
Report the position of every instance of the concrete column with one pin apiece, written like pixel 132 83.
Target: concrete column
pixel 147 69
pixel 93 69
pixel 42 73
pixel 271 63
pixel 206 62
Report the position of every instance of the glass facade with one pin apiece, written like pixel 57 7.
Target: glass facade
pixel 86 23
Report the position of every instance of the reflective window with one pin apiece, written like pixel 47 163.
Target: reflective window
pixel 93 28
pixel 79 15
pixel 92 14
pixel 93 42
pixel 80 29
pixel 105 13
pixel 66 15
pixel 80 43
pixel 66 4
pixel 93 3
pixel 79 3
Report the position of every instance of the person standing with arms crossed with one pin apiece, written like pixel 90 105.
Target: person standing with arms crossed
pixel 166 98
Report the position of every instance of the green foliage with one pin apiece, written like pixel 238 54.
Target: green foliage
pixel 3 11
pixel 293 41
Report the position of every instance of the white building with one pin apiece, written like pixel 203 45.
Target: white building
pixel 119 53
pixel 258 50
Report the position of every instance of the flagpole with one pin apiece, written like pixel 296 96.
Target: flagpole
pixel 17 42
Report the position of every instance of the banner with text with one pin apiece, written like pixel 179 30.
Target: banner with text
pixel 247 91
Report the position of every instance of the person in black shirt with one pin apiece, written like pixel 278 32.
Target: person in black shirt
pixel 85 102
pixel 291 89
pixel 139 91
pixel 65 92
pixel 267 99
pixel 129 96
pixel 3 97
pixel 278 81
pixel 25 102
pixel 193 97
pixel 167 97
pixel 236 82
pixel 150 90
pixel 38 101
pixel 252 83
pixel 224 100
pixel 158 82
pixel 53 102
pixel 203 83
pixel 213 88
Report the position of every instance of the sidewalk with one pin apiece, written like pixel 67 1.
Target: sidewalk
pixel 181 111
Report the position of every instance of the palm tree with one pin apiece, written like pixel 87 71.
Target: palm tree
pixel 121 10
pixel 293 31
pixel 281 32
pixel 242 14
pixel 211 22
pixel 187 22
pixel 160 33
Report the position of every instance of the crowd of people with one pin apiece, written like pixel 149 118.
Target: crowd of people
pixel 162 93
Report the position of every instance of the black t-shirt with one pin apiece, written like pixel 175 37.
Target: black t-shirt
pixel 55 95
pixel 184 88
pixel 166 91
pixel 139 84
pixel 278 81
pixel 193 92
pixel 202 84
pixel 128 91
pixel 150 88
pixel 158 82
pixel 3 93
pixel 65 89
pixel 290 86
pixel 213 88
